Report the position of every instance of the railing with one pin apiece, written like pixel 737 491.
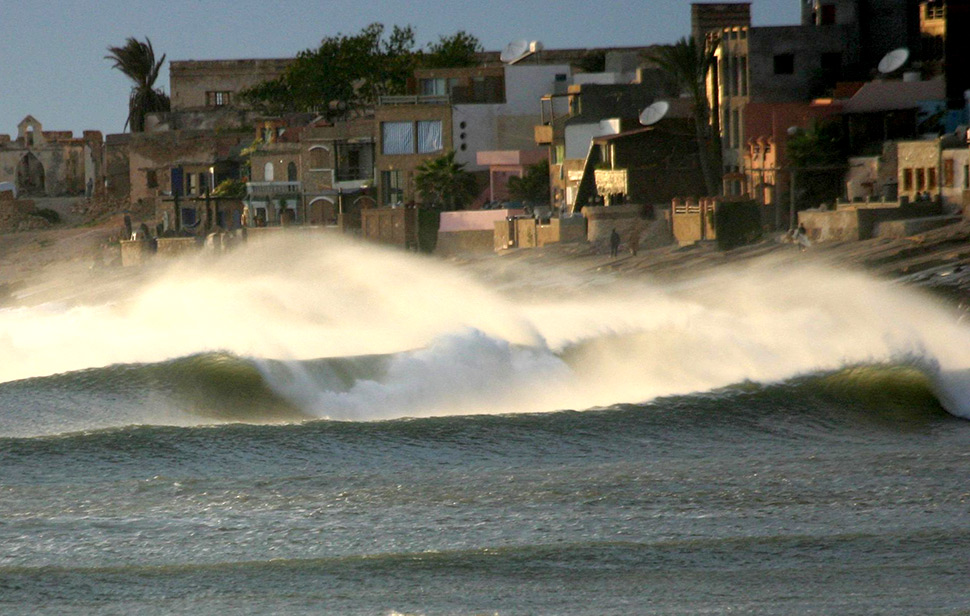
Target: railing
pixel 269 189
pixel 415 100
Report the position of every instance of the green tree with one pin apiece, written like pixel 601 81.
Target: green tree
pixel 444 183
pixel 533 186
pixel 687 64
pixel 455 51
pixel 820 159
pixel 342 75
pixel 136 60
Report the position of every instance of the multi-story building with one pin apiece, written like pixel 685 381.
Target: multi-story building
pixel 467 110
pixel 597 106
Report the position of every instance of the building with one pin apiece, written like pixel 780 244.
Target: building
pixel 465 110
pixel 338 171
pixel 51 163
pixel 648 165
pixel 572 119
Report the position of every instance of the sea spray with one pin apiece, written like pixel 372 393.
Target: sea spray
pixel 490 338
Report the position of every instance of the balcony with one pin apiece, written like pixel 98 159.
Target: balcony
pixel 273 189
pixel 415 100
pixel 611 182
pixel 543 134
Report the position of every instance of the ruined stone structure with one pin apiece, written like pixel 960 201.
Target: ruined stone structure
pixel 51 163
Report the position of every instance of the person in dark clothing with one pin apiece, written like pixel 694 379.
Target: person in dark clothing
pixel 614 243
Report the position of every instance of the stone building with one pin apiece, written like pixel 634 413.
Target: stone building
pixel 51 163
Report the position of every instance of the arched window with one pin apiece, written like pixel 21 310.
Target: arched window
pixel 291 172
pixel 318 157
pixel 268 172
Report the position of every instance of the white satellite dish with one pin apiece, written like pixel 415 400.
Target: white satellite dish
pixel 893 60
pixel 653 113
pixel 518 50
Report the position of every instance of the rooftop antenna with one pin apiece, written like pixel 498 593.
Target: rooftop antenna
pixel 654 113
pixel 893 60
pixel 519 50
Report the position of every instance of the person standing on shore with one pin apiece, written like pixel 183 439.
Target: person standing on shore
pixel 614 243
pixel 634 239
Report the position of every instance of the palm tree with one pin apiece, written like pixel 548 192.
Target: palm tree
pixel 137 60
pixel 443 183
pixel 687 64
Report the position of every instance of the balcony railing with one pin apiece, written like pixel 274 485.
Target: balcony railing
pixel 415 100
pixel 272 189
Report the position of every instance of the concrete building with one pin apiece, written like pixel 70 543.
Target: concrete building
pixel 466 110
pixel 410 131
pixel 649 165
pixel 935 170
pixel 338 171
pixel 571 120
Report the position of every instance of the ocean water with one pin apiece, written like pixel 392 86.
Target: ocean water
pixel 335 429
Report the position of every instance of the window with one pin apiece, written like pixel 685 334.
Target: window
pixel 931 178
pixel 966 176
pixel 743 74
pixel 392 187
pixel 785 64
pixel 920 179
pixel 354 161
pixel 291 172
pixel 193 183
pixel 429 136
pixel 948 172
pixel 151 178
pixel 907 180
pixel 832 66
pixel 268 172
pixel 560 76
pixel 318 158
pixel 736 128
pixel 217 99
pixel 434 87
pixel 397 138
pixel 559 153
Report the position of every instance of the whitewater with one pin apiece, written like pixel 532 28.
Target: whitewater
pixel 324 426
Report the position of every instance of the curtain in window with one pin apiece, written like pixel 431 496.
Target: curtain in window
pixel 397 137
pixel 429 136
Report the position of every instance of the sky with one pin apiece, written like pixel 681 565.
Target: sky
pixel 52 63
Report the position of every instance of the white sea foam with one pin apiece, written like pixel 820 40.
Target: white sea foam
pixel 483 341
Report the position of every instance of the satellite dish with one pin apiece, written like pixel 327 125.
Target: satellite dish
pixel 515 51
pixel 893 60
pixel 519 50
pixel 653 113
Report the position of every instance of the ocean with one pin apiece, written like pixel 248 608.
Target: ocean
pixel 330 428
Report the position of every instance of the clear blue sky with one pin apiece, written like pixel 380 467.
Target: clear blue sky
pixel 52 62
